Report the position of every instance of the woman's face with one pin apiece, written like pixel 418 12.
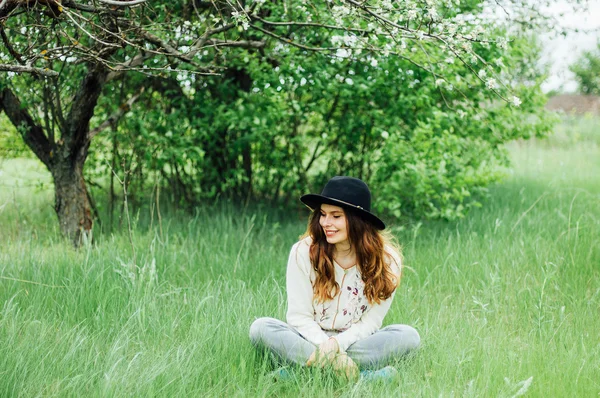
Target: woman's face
pixel 333 222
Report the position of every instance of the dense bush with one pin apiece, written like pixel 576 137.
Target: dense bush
pixel 267 100
pixel 271 131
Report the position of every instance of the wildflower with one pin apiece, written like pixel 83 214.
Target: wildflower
pixel 491 84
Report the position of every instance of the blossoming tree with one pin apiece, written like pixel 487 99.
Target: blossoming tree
pixel 61 57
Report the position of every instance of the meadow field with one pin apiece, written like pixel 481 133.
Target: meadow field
pixel 507 300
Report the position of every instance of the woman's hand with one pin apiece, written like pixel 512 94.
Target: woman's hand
pixel 328 353
pixel 345 365
pixel 330 346
pixel 325 353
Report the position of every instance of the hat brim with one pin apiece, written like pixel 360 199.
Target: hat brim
pixel 313 201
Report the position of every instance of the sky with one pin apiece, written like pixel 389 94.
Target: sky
pixel 559 52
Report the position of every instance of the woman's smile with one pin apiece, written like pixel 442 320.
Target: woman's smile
pixel 333 222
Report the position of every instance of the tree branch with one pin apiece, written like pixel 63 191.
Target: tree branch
pixel 291 42
pixel 32 134
pixel 122 3
pixel 28 69
pixel 9 47
pixel 239 43
pixel 309 24
pixel 120 69
pixel 82 109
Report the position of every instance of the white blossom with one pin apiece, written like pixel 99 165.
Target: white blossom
pixel 502 42
pixel 491 84
pixel 432 13
pixel 516 101
pixel 385 135
pixel 342 53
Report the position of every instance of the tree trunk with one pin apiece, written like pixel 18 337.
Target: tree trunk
pixel 71 202
pixel 64 158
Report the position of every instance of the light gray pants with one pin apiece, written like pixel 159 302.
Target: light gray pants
pixel 373 352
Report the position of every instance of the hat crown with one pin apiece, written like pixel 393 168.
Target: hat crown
pixel 346 192
pixel 350 190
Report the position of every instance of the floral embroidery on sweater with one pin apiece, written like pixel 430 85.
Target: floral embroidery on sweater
pixel 354 305
pixel 356 301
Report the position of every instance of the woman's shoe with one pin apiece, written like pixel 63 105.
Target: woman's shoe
pixel 281 374
pixel 384 374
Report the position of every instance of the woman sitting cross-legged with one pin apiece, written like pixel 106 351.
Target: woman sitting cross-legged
pixel 341 279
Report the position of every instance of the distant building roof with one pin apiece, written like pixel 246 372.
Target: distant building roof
pixel 574 104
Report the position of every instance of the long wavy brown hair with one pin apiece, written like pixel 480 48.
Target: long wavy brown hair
pixel 369 246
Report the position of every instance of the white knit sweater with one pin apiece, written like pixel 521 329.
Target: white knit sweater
pixel 349 316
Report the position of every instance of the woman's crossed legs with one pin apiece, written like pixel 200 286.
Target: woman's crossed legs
pixel 373 352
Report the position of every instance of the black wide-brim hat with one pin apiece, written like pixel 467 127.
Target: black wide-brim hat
pixel 346 192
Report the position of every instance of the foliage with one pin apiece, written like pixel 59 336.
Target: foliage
pixel 262 100
pixel 587 71
pixel 428 148
pixel 501 298
pixel 10 144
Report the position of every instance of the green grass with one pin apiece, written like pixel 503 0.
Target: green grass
pixel 506 300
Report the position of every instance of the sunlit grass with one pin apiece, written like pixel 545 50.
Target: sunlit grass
pixel 507 300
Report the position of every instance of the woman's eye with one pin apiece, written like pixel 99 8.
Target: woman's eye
pixel 336 216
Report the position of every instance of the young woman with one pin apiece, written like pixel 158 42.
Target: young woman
pixel 341 279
